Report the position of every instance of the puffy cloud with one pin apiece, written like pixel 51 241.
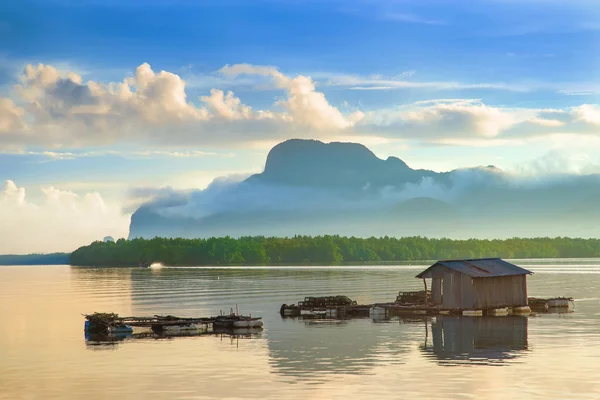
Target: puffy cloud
pixel 53 110
pixel 445 119
pixel 62 110
pixel 61 222
pixel 579 121
pixel 588 113
pixel 305 105
pixel 470 122
pixel 227 106
pixel 10 116
pixel 66 110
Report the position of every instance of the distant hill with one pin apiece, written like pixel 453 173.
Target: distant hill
pixel 313 188
pixel 312 163
pixel 35 259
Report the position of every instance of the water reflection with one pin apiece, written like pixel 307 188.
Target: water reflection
pixel 479 340
pixel 325 346
pixel 97 341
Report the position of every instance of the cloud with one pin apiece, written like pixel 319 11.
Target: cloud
pixel 10 116
pixel 53 109
pixel 583 120
pixel 559 162
pixel 65 111
pixel 304 104
pixel 357 82
pixel 61 222
pixel 68 155
pixel 471 122
pixel 444 119
pixel 587 113
pixel 410 18
pixel 227 106
pixel 58 109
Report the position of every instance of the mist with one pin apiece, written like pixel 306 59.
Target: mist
pixel 474 202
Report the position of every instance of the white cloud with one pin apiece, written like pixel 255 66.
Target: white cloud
pixel 305 105
pixel 59 109
pixel 227 106
pixel 445 119
pixel 588 113
pixel 55 109
pixel 68 155
pixel 551 123
pixel 560 161
pixel 63 110
pixel 410 18
pixel 62 222
pixel 376 82
pixel 10 116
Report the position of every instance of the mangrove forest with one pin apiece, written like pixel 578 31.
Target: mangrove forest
pixel 323 250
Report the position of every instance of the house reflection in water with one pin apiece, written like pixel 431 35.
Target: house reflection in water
pixel 479 340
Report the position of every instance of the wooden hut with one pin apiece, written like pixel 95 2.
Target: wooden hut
pixel 480 284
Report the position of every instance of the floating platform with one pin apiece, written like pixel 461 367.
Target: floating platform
pixel 110 323
pixel 408 303
pixel 554 304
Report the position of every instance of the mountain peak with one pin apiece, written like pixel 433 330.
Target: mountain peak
pixel 302 152
pixel 298 162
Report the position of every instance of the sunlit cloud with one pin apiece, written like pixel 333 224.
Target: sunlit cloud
pixel 62 221
pixel 66 116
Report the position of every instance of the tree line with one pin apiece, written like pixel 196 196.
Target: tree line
pixel 326 250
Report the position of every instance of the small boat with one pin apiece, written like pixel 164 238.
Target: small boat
pixel 145 265
pixel 237 321
pixel 248 323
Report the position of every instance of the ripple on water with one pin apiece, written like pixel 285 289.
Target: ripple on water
pixel 44 352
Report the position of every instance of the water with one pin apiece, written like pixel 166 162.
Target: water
pixel 43 353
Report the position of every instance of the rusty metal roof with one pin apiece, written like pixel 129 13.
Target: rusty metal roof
pixel 481 267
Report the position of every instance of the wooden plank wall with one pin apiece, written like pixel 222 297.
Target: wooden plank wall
pixel 500 291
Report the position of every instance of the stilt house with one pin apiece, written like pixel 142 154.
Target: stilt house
pixel 484 283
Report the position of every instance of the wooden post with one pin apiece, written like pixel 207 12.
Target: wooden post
pixel 425 283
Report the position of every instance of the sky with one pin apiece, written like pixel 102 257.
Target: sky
pixel 101 98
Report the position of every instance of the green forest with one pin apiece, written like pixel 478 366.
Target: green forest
pixel 324 250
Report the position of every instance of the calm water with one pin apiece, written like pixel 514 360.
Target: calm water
pixel 43 353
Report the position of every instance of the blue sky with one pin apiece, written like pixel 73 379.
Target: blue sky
pixel 440 84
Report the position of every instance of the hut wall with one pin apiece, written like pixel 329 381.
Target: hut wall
pixel 451 288
pixel 436 290
pixel 436 274
pixel 457 293
pixel 501 291
pixel 467 299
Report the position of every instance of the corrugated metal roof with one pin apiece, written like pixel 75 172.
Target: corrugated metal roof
pixel 481 268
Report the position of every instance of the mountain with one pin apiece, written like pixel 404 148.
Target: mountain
pixel 309 187
pixel 335 166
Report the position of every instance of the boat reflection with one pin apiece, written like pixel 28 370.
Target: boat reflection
pixel 476 340
pixel 97 341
